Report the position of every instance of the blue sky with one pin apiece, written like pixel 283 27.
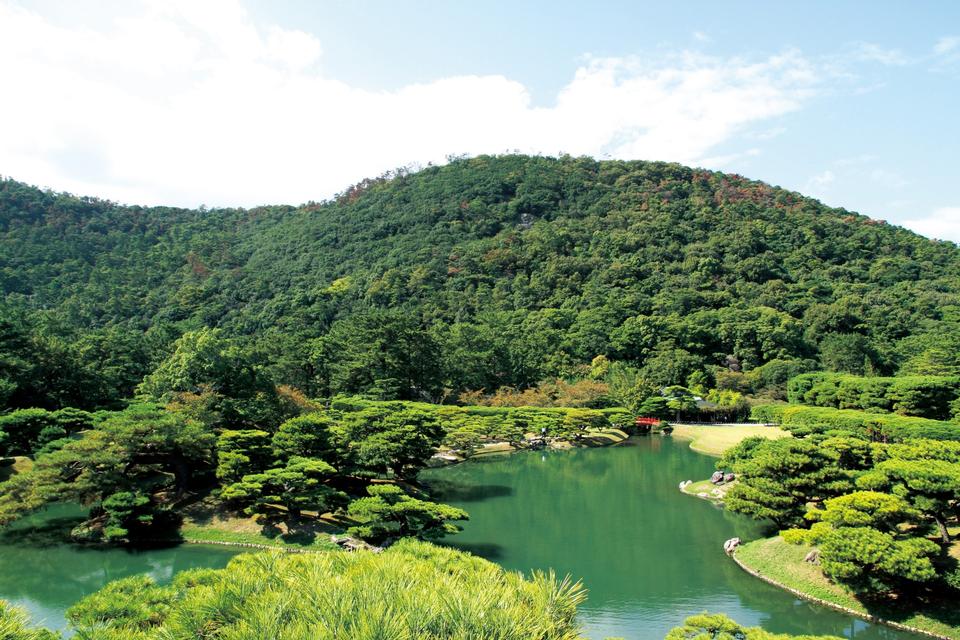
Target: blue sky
pixel 230 102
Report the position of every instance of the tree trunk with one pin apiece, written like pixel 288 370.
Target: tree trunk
pixel 942 526
pixel 181 475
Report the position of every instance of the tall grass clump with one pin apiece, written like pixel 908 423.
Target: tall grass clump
pixel 412 591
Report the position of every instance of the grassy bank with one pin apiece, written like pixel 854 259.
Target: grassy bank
pixel 10 467
pixel 783 564
pixel 206 522
pixel 714 440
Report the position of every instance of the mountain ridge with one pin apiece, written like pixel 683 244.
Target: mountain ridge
pixel 585 257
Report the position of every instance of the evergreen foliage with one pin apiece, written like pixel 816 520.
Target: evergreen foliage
pixel 923 396
pixel 413 590
pixel 484 273
pixel 803 420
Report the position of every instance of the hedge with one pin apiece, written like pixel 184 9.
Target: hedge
pixel 801 419
pixel 934 397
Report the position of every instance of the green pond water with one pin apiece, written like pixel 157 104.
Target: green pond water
pixel 44 576
pixel 612 517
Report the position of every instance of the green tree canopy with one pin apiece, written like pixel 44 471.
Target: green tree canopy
pixel 390 437
pixel 144 448
pixel 283 493
pixel 932 487
pixel 390 512
pixel 780 477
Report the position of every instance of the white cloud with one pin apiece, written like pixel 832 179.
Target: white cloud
pixel 823 179
pixel 187 102
pixel 946 44
pixel 889 179
pixel 723 161
pixel 870 52
pixel 942 224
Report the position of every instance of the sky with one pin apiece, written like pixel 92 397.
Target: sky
pixel 250 102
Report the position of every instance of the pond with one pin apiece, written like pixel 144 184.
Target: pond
pixel 44 576
pixel 649 555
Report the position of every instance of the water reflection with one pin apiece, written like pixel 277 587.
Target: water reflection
pixel 649 555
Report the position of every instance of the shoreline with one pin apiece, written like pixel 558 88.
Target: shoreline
pixel 591 440
pixel 835 606
pixel 246 545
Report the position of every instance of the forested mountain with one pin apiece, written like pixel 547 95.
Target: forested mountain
pixel 483 273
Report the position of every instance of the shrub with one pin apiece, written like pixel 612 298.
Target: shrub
pixel 413 590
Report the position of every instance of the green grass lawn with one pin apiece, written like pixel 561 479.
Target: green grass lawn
pixel 783 563
pixel 10 467
pixel 714 440
pixel 207 521
pixel 217 534
pixel 603 437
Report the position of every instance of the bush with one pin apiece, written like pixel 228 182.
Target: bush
pixel 15 626
pixel 796 536
pixel 413 590
pixel 720 627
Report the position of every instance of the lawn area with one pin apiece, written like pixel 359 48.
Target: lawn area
pixel 783 563
pixel 10 467
pixel 204 523
pixel 714 440
pixel 493 449
pixel 603 437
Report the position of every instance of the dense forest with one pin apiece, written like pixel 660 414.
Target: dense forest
pixel 489 273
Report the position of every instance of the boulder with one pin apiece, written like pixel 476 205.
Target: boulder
pixel 683 485
pixel 729 477
pixel 730 545
pixel 717 477
pixel 349 543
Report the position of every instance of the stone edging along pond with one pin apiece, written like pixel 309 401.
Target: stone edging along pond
pixel 833 605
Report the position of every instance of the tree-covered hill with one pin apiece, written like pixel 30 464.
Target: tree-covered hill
pixel 486 272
